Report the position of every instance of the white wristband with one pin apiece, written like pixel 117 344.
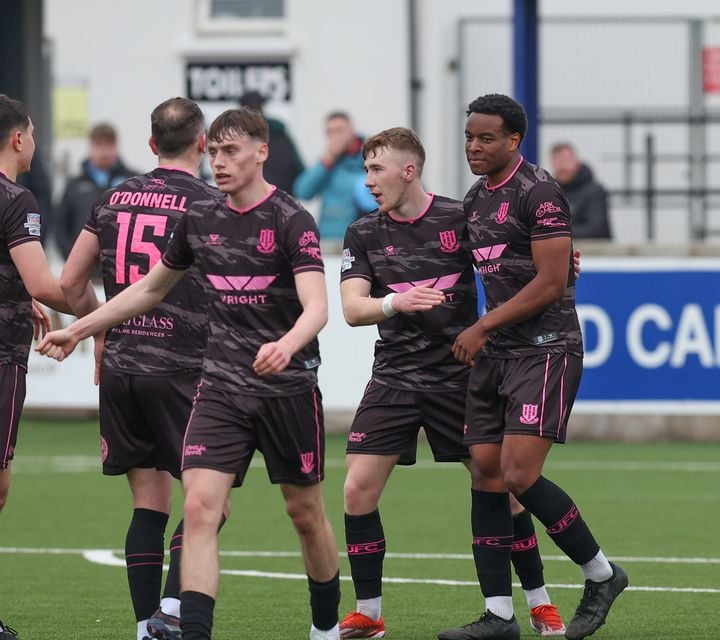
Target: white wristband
pixel 387 307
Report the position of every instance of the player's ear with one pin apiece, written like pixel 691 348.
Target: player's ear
pixel 202 143
pixel 16 140
pixel 262 152
pixel 409 172
pixel 515 139
pixel 153 146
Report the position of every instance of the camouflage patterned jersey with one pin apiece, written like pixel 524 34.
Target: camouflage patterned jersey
pixel 133 223
pixel 249 258
pixel 502 223
pixel 19 223
pixel 414 350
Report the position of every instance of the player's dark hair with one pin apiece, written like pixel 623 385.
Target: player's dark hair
pixel 399 138
pixel 13 116
pixel 242 121
pixel 511 111
pixel 176 125
pixel 103 132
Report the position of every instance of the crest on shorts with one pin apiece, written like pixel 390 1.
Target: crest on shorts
pixel 307 460
pixel 103 448
pixel 266 241
pixel 502 214
pixel 448 241
pixel 529 414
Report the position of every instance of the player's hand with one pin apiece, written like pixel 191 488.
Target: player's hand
pixel 41 320
pixel 418 299
pixel 271 358
pixel 98 351
pixel 468 344
pixel 576 263
pixel 58 345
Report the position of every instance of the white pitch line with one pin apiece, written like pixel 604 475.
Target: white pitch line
pixel 392 555
pixel 108 557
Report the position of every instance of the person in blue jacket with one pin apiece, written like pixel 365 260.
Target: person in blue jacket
pixel 335 176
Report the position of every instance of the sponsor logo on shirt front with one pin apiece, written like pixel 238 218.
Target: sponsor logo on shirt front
pixel 390 250
pixel 214 240
pixel 33 224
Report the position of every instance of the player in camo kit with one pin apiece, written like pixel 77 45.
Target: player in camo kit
pixel 151 363
pixel 404 269
pixel 259 252
pixel 526 353
pixel 24 274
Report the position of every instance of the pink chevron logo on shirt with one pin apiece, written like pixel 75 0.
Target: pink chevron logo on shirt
pixel 241 283
pixel 443 282
pixel 489 253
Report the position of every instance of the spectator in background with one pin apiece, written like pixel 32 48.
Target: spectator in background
pixel 588 198
pixel 335 177
pixel 102 170
pixel 283 164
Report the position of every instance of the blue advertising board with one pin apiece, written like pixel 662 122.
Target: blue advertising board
pixel 651 330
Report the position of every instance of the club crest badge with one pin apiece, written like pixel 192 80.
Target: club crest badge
pixel 266 241
pixel 448 241
pixel 502 214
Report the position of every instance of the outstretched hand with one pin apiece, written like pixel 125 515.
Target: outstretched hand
pixel 58 345
pixel 41 320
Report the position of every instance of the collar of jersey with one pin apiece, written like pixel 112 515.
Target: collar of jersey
pixel 504 182
pixel 417 217
pixel 273 189
pixel 169 168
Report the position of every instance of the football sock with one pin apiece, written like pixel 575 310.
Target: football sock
pixel 144 551
pixel 537 597
pixel 525 553
pixel 556 510
pixel 328 634
pixel 324 601
pixel 501 606
pixel 370 607
pixel 598 569
pixel 172 582
pixel 492 531
pixel 196 615
pixel 366 551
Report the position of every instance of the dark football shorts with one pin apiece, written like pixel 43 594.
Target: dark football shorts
pixel 388 420
pixel 143 420
pixel 225 430
pixel 531 396
pixel 12 397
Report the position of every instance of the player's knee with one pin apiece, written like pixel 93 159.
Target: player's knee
pixel 199 512
pixel 359 498
pixel 517 480
pixel 306 518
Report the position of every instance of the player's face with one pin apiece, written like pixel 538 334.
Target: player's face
pixel 236 161
pixel 27 149
pixel 488 148
pixel 565 165
pixel 386 177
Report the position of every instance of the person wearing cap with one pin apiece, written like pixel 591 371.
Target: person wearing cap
pixel 284 163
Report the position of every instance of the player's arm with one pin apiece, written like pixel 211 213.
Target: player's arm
pixel 41 284
pixel 81 264
pixel 551 258
pixel 138 298
pixel 359 309
pixel 273 357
